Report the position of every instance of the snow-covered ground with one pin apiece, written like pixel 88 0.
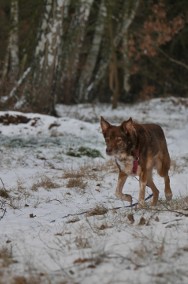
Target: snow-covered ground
pixel 60 221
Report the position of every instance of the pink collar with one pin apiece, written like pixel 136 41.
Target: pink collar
pixel 135 162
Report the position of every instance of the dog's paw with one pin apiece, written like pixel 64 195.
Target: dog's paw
pixel 153 204
pixel 168 197
pixel 125 197
pixel 141 205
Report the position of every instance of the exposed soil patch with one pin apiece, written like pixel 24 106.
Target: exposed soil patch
pixel 7 119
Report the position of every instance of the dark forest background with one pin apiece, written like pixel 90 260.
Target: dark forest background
pixel 68 51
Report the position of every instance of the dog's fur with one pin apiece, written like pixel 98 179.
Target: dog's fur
pixel 145 143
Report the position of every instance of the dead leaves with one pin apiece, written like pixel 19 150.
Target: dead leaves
pixel 130 217
pixel 17 119
pixel 98 210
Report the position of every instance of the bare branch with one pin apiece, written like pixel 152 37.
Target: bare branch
pixel 173 60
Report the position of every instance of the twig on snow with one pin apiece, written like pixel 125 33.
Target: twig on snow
pixel 2 209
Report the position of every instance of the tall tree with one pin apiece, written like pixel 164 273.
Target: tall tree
pixel 39 86
pixel 11 63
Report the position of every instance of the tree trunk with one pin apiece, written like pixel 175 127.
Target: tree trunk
pixel 113 54
pixel 72 45
pixel 129 17
pixel 85 80
pixel 11 64
pixel 41 81
pixel 121 39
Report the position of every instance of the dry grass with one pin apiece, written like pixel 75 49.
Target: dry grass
pixel 85 171
pixel 98 210
pixel 76 182
pixel 82 242
pixel 4 193
pixel 6 257
pixel 21 191
pixel 90 171
pixel 103 227
pixel 31 279
pixel 20 186
pixel 22 280
pixel 46 183
pixel 78 178
pixel 179 204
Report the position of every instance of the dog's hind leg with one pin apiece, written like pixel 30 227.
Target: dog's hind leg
pixel 121 181
pixel 168 191
pixel 154 189
pixel 162 169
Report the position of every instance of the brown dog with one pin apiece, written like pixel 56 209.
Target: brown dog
pixel 138 148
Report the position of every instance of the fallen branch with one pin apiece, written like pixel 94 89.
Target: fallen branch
pixel 116 208
pixel 2 209
pixel 3 184
pixel 167 209
pixel 18 83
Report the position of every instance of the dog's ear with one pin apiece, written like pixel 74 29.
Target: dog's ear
pixel 128 126
pixel 104 125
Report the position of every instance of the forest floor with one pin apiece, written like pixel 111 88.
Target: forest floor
pixel 60 221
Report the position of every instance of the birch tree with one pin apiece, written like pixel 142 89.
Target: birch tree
pixel 72 46
pixel 41 81
pixel 86 77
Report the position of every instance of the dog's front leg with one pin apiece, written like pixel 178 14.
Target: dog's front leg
pixel 121 181
pixel 142 183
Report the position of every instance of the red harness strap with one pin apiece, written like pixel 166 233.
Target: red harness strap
pixel 135 162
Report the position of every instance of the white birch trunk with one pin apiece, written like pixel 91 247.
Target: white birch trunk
pixel 78 23
pixel 87 72
pixel 41 73
pixel 83 14
pixel 48 46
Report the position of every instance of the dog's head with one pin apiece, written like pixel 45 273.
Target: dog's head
pixel 119 139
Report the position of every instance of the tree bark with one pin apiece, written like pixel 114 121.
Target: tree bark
pixel 85 80
pixel 72 45
pixel 40 82
pixel 115 46
pixel 11 64
pixel 124 34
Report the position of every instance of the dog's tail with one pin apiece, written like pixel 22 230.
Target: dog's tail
pixel 164 164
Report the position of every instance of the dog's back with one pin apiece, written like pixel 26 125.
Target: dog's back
pixel 152 141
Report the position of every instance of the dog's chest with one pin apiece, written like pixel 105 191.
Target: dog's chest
pixel 126 165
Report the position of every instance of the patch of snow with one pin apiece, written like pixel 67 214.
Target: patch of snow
pixel 47 224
